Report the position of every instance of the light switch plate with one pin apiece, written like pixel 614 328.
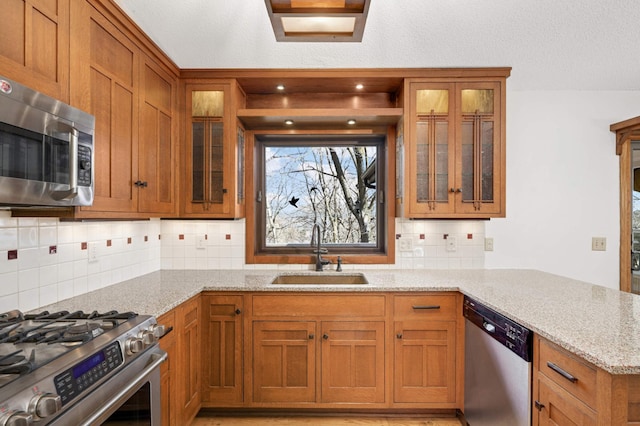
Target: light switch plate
pixel 598 244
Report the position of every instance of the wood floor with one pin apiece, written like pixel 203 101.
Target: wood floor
pixel 324 421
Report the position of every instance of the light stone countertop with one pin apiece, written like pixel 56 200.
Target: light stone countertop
pixel 599 324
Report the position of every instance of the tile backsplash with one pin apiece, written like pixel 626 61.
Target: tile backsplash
pixel 45 260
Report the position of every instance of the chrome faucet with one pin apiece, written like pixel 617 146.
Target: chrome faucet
pixel 316 238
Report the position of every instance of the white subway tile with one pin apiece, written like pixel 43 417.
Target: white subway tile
pixel 9 302
pixel 8 283
pixel 48 294
pixel 28 279
pixel 28 258
pixel 8 238
pixel 27 238
pixel 29 299
pixel 7 265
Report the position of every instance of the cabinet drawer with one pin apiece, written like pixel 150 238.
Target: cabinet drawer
pixel 568 371
pixel 343 305
pixel 428 306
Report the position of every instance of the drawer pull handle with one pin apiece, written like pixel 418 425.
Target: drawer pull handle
pixel 426 307
pixel 561 372
pixel 539 405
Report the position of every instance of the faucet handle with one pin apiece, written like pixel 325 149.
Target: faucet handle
pixel 321 251
pixel 339 267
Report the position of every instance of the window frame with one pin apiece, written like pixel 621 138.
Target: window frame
pixel 256 250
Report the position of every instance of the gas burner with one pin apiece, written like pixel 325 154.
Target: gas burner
pixel 92 328
pixel 78 334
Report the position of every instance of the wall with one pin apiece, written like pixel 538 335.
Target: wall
pixel 562 184
pixel 562 189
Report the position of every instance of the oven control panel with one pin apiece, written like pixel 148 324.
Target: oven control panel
pixel 87 372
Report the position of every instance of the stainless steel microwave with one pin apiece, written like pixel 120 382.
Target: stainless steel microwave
pixel 46 150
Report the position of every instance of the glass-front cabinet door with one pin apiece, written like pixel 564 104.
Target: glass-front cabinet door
pixel 432 161
pixel 478 181
pixel 213 158
pixel 454 150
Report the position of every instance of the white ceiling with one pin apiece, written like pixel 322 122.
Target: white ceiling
pixel 550 44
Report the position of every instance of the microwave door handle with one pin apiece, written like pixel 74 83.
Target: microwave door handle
pixel 72 192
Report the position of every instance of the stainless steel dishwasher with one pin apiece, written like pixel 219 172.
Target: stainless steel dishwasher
pixel 497 382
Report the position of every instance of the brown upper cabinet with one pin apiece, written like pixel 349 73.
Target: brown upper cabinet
pixel 34 45
pixel 158 156
pixel 454 148
pixel 134 99
pixel 213 167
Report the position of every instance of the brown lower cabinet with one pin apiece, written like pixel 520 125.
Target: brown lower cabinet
pixel 222 349
pixel 168 372
pixel 567 390
pixel 180 374
pixel 297 351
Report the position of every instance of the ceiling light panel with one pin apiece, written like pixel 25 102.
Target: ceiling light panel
pixel 318 20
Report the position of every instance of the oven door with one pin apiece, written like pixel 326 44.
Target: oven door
pixel 131 397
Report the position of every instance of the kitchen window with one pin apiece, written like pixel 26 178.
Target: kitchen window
pixel 336 181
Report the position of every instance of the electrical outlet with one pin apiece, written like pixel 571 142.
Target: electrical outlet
pixel 92 249
pixel 452 243
pixel 488 244
pixel 201 243
pixel 405 244
pixel 598 244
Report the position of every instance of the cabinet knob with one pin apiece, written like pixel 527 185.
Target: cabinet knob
pixel 452 190
pixel 238 311
pixel 539 405
pixel 459 190
pixel 399 335
pixel 325 336
pixel 311 336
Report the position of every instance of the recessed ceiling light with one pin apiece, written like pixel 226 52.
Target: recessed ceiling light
pixel 288 122
pixel 359 86
pixel 351 122
pixel 280 87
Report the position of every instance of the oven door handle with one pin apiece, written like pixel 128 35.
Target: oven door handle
pixel 156 360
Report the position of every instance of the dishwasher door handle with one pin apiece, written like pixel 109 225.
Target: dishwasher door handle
pixel 489 327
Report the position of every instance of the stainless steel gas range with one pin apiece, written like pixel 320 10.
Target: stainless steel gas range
pixel 74 368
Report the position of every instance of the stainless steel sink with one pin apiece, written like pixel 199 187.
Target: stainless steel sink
pixel 320 279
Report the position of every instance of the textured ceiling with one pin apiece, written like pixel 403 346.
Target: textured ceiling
pixel 550 44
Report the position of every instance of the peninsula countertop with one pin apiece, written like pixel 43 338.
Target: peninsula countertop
pixel 601 325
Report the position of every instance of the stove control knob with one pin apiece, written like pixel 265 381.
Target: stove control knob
pixel 147 337
pixel 45 405
pixel 133 345
pixel 17 418
pixel 158 330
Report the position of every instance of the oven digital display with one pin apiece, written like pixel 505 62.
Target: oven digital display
pixel 82 376
pixel 88 364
